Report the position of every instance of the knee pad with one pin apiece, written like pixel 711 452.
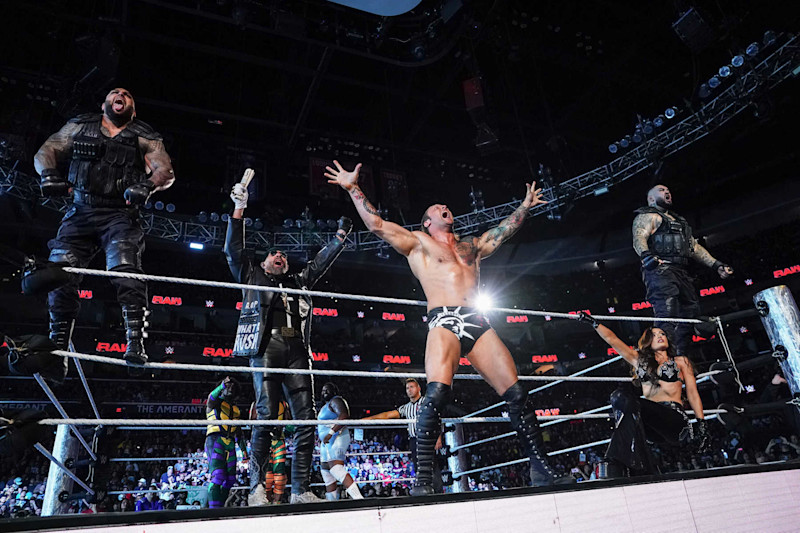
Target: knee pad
pixel 327 477
pixel 673 306
pixel 123 256
pixel 517 399
pixel 339 472
pixel 437 395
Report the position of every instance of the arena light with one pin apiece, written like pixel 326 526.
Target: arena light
pixel 752 50
pixel 484 303
pixel 196 245
pixel 670 112
pixel 737 61
pixel 725 71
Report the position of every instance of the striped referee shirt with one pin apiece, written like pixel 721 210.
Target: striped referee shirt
pixel 410 411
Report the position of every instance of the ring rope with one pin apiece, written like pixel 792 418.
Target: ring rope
pixel 204 458
pixel 586 414
pixel 311 372
pixel 247 423
pixel 344 296
pixel 563 378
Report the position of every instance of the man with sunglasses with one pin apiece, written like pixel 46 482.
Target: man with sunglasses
pixel 275 332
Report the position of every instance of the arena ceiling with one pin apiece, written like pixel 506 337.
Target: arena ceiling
pixel 234 83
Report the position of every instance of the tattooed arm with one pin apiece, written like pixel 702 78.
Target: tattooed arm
pixel 492 239
pixel 644 225
pixel 159 163
pixel 702 256
pixel 397 236
pixel 56 148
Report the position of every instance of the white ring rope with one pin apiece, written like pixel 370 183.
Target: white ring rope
pixel 204 458
pixel 310 372
pixel 248 423
pixel 344 296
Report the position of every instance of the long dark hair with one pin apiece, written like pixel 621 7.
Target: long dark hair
pixel 647 356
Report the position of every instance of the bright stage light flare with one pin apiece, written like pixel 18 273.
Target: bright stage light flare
pixel 484 303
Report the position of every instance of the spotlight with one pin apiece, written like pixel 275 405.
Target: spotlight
pixel 214 217
pixel 321 224
pixel 625 141
pixel 170 208
pixel 737 61
pixel 159 205
pixel 248 221
pixel 259 224
pixel 196 245
pixel 288 223
pixel 752 50
pixel 332 224
pixel 637 137
pixel 714 82
pixel 484 303
pixel 658 121
pixel 148 205
pixel 703 91
pixel 725 71
pixel 613 148
pixel 670 112
pixel 202 217
pixel 647 128
pixel 769 37
pixel 226 217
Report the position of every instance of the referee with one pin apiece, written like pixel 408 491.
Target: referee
pixel 409 411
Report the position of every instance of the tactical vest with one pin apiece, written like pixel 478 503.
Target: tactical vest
pixel 672 241
pixel 103 167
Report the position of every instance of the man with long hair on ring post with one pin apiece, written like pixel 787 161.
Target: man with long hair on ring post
pixel 659 416
pixel 448 268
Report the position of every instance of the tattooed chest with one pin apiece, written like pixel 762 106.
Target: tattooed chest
pixel 467 252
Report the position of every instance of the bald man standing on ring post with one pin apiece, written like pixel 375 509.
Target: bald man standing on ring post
pixel 664 242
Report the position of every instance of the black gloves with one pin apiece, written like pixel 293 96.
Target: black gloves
pixel 41 278
pixel 52 184
pixel 589 319
pixel 345 224
pixel 650 261
pixel 138 194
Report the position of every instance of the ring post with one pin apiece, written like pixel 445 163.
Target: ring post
pixel 64 447
pixel 781 319
pixel 456 462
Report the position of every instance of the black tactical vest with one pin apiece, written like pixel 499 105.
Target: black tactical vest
pixel 672 241
pixel 103 167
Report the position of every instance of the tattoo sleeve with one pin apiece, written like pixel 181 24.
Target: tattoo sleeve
pixel 508 227
pixel 159 162
pixel 642 229
pixel 56 148
pixel 701 255
pixel 365 209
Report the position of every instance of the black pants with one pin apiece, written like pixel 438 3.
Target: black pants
pixel 639 421
pixel 84 231
pixel 298 390
pixel 671 292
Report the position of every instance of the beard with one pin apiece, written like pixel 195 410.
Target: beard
pixel 662 203
pixel 119 119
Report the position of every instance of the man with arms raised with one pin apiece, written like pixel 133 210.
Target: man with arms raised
pixel 448 268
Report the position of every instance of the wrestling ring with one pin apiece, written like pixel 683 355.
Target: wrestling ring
pixel 715 500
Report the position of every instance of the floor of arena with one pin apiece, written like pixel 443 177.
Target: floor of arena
pixel 733 499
